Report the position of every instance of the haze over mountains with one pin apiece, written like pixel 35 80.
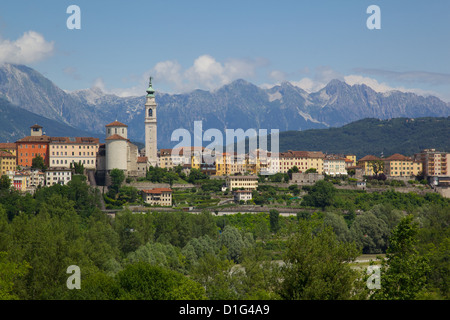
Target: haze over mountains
pixel 239 104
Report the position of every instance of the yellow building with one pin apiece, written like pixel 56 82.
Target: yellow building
pixel 19 180
pixel 158 196
pixel 7 162
pixel 303 160
pixel 9 147
pixel 398 165
pixel 350 160
pixel 366 164
pixel 244 182
pixel 170 158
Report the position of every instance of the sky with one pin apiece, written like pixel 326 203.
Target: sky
pixel 199 44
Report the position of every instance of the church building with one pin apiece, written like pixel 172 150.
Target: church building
pixel 119 153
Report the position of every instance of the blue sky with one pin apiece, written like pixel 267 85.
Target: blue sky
pixel 204 44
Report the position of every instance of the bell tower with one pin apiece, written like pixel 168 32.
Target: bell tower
pixel 151 127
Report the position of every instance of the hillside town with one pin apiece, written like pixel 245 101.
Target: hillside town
pixel 40 160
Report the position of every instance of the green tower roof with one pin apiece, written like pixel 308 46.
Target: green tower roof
pixel 150 91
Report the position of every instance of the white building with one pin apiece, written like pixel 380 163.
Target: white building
pixel 244 195
pixel 57 175
pixel 334 165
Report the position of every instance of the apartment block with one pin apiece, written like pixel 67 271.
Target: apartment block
pixel 434 163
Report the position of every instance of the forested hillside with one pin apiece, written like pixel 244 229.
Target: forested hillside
pixel 180 255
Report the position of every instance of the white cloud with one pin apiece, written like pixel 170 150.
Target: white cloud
pixel 384 87
pixel 205 73
pixel 29 48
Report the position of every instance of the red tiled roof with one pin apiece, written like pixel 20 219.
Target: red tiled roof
pixel 302 154
pixel 7 145
pixel 116 124
pixel 397 157
pixel 157 190
pixel 77 140
pixel 115 137
pixel 42 138
pixel 142 159
pixel 369 158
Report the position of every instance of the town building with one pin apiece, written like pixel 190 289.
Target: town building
pixel 18 180
pixel 434 163
pixel 241 182
pixel 57 175
pixel 142 166
pixel 398 165
pixel 32 146
pixel 64 151
pixel 242 195
pixel 158 196
pixel 334 165
pixel 9 147
pixel 366 163
pixel 7 162
pixel 303 160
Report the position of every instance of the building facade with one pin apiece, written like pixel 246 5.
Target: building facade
pixel 241 182
pixel 158 196
pixel 32 146
pixel 57 175
pixel 434 163
pixel 64 151
pixel 242 195
pixel 398 165
pixel 303 160
pixel 334 165
pixel 7 162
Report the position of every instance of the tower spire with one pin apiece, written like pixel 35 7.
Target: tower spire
pixel 150 91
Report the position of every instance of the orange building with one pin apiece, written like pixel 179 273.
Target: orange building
pixel 30 147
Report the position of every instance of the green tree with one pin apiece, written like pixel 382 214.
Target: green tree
pixel 38 163
pixel 274 217
pixel 117 178
pixel 320 195
pixel 370 233
pixel 232 239
pixel 5 182
pixel 78 168
pixel 143 281
pixel 311 170
pixel 377 166
pixel 403 272
pixel 316 265
pixel 9 272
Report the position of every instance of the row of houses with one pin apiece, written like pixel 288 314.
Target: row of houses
pixel 28 180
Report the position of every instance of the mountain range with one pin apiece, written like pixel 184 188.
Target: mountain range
pixel 239 104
